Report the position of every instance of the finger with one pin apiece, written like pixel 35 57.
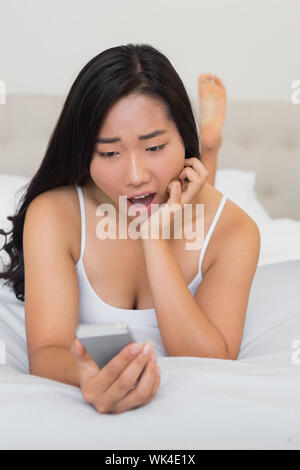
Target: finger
pixel 188 174
pixel 175 192
pixel 197 165
pixel 86 366
pixel 114 368
pixel 196 184
pixel 184 180
pixel 96 385
pixel 129 377
pixel 191 174
pixel 154 378
pixel 142 393
pixel 155 388
pixel 155 385
pixel 171 185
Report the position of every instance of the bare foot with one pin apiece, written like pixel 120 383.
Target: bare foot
pixel 212 100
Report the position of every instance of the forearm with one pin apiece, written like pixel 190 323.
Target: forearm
pixel 184 328
pixel 55 363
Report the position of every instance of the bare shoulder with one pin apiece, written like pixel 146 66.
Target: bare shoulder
pixel 62 197
pixel 60 208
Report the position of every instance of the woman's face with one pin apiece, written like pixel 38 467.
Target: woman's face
pixel 132 165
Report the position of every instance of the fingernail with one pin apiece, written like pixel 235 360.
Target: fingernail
pixel 135 348
pixel 147 348
pixel 153 357
pixel 157 370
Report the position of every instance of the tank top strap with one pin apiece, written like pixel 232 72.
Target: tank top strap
pixel 82 213
pixel 210 230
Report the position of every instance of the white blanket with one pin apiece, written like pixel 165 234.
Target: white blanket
pixel 251 403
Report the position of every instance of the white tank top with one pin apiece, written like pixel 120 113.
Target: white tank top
pixel 92 309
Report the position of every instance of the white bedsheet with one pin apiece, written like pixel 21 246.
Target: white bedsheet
pixel 251 403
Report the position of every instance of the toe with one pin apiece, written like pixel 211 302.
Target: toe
pixel 202 78
pixel 219 82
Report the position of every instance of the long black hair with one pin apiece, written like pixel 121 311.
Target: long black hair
pixel 111 75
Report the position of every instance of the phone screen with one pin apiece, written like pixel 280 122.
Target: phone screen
pixel 105 341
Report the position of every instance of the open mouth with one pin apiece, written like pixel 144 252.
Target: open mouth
pixel 146 201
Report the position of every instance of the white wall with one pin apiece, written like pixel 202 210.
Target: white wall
pixel 252 44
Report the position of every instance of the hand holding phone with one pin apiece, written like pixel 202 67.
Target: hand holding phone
pixel 127 381
pixel 103 341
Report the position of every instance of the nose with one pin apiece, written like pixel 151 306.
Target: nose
pixel 136 171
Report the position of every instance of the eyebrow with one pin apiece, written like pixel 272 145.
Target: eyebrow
pixel 103 140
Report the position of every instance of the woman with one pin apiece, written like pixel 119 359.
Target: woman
pixel 106 145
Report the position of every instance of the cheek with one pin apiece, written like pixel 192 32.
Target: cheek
pixel 100 175
pixel 173 166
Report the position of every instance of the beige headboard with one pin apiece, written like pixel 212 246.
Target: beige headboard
pixel 263 137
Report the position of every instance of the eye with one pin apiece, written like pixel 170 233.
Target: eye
pixel 159 147
pixel 106 154
pixel 155 149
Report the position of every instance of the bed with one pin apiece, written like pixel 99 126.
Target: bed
pixel 250 403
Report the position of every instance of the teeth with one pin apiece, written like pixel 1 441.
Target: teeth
pixel 140 197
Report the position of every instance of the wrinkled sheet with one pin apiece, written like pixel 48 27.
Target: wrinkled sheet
pixel 251 403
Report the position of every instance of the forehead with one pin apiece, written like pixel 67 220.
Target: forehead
pixel 136 112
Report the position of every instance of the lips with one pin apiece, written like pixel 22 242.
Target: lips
pixel 145 200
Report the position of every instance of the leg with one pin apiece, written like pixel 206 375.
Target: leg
pixel 212 101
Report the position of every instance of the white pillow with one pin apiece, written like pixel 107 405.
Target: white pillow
pixel 10 193
pixel 239 186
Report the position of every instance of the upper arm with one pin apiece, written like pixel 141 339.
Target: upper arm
pixel 223 294
pixel 51 285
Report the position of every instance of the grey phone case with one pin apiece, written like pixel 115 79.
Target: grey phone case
pixel 104 341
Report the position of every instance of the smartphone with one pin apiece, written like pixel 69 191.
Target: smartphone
pixel 105 340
